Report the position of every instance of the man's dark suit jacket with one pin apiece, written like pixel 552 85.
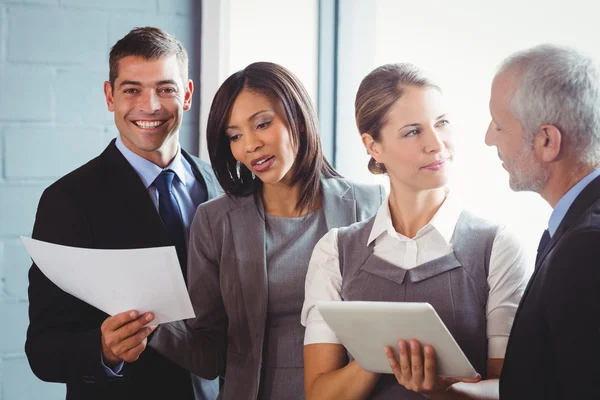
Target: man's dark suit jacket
pixel 103 205
pixel 554 346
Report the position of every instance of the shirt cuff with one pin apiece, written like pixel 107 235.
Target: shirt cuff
pixel 319 332
pixel 497 346
pixel 114 372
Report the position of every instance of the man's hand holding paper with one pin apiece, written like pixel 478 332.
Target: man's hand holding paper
pixel 124 336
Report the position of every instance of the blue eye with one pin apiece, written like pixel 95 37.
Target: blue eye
pixel 444 122
pixel 412 133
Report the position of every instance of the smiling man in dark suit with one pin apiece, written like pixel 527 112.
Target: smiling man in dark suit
pixel 545 106
pixel 142 191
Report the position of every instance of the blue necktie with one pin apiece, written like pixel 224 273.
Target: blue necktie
pixel 171 215
pixel 542 246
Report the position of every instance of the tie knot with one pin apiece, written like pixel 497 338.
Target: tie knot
pixel 164 181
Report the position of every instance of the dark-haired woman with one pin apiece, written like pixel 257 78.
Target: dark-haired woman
pixel 249 250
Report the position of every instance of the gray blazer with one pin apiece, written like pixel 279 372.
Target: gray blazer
pixel 228 285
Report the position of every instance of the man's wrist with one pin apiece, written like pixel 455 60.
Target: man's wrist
pixel 108 357
pixel 111 369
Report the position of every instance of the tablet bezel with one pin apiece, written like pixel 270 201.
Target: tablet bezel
pixel 365 328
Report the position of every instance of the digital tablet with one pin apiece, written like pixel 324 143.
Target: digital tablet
pixel 366 327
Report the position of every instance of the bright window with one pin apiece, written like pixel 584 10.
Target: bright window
pixel 460 43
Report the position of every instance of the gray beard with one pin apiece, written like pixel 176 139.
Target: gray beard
pixel 533 180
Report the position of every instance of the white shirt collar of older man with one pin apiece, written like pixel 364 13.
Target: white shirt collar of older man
pixel 443 222
pixel 148 171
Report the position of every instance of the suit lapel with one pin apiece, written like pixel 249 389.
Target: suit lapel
pixel 586 198
pixel 138 208
pixel 203 174
pixel 248 231
pixel 137 205
pixel 339 208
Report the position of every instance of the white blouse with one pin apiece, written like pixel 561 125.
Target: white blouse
pixel 507 278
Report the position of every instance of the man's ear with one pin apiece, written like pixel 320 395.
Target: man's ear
pixel 110 101
pixel 371 146
pixel 187 99
pixel 548 142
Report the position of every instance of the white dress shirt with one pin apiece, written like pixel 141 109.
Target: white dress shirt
pixel 507 278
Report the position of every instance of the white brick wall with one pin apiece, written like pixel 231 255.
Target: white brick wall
pixel 53 118
pixel 27 92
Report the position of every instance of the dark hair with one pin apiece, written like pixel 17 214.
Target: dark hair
pixel 150 43
pixel 376 94
pixel 279 84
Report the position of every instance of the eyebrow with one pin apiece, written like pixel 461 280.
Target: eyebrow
pixel 137 83
pixel 125 83
pixel 417 124
pixel 167 82
pixel 250 118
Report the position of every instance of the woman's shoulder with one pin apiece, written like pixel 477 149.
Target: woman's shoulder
pixel 358 190
pixel 362 227
pixel 355 184
pixel 472 217
pixel 504 235
pixel 224 204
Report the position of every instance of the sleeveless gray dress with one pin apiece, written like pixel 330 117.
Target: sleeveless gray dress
pixel 454 284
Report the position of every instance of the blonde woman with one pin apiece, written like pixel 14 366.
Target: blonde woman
pixel 421 246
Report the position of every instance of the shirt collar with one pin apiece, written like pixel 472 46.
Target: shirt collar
pixel 444 221
pixel 382 223
pixel 148 171
pixel 561 208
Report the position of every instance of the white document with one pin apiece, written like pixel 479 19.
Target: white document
pixel 115 281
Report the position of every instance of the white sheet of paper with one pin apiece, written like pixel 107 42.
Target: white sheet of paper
pixel 115 281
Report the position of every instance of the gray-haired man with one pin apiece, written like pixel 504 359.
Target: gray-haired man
pixel 545 106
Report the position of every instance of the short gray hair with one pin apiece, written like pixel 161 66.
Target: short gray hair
pixel 558 86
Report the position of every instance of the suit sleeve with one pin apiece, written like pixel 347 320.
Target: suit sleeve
pixel 200 345
pixel 572 304
pixel 63 337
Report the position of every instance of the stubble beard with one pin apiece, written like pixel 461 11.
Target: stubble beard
pixel 527 173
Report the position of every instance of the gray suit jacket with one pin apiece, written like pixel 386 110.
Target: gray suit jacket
pixel 228 285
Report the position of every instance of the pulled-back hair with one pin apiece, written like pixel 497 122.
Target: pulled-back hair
pixel 377 92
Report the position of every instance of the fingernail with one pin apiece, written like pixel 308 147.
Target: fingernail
pixel 149 317
pixel 133 314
